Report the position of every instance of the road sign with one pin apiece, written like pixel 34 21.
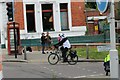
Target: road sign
pixel 103 48
pixel 102 5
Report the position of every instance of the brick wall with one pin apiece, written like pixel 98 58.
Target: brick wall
pixel 96 13
pixel 19 14
pixel 91 28
pixel 78 15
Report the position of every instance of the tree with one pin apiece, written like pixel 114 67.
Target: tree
pixel 91 5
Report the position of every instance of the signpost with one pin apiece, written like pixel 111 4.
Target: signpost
pixel 114 65
pixel 114 61
pixel 14 30
pixel 15 44
pixel 102 5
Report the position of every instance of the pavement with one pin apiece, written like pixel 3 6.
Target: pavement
pixel 36 56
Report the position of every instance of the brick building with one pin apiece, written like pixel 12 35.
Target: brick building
pixel 54 16
pixel 37 16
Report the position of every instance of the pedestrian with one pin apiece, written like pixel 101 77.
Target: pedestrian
pixel 43 40
pixel 48 41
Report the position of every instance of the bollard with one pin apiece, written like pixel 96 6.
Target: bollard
pixel 87 51
pixel 25 55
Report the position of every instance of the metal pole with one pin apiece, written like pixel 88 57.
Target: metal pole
pixel 86 18
pixel 13 9
pixel 25 55
pixel 114 67
pixel 15 46
pixel 14 30
pixel 87 51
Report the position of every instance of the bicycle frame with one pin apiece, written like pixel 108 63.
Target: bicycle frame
pixel 58 52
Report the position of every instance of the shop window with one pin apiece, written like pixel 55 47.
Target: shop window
pixel 30 16
pixel 47 17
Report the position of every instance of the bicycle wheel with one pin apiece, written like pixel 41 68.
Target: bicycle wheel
pixel 72 60
pixel 53 58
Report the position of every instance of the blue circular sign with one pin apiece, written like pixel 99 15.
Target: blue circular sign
pixel 102 5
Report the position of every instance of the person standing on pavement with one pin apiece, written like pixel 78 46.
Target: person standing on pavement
pixel 48 41
pixel 43 40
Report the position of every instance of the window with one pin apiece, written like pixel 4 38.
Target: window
pixel 64 16
pixel 30 16
pixel 47 17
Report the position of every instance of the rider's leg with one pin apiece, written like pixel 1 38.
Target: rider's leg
pixel 64 52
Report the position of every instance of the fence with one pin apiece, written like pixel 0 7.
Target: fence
pixel 77 39
pixel 94 50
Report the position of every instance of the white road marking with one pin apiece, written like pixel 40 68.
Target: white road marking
pixel 83 69
pixel 44 67
pixel 96 75
pixel 92 75
pixel 94 72
pixel 88 76
pixel 47 68
pixel 89 70
pixel 51 69
pixel 69 77
pixel 72 65
pixel 101 74
pixel 60 73
pixel 79 76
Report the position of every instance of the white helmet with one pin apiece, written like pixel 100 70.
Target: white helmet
pixel 63 35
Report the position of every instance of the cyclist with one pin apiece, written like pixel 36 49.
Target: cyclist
pixel 65 46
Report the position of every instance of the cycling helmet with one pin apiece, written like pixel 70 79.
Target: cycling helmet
pixel 63 35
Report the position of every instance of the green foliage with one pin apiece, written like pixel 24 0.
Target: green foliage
pixel 118 48
pixel 91 5
pixel 103 26
pixel 118 8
